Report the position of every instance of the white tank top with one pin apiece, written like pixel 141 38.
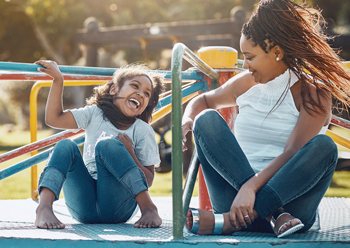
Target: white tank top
pixel 266 117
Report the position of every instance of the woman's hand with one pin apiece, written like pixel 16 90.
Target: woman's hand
pixel 127 142
pixel 51 69
pixel 187 125
pixel 242 213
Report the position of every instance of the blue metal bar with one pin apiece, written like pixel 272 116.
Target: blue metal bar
pixel 185 92
pixel 43 155
pixel 29 162
pixel 26 67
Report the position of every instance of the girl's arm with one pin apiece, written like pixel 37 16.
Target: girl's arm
pixel 55 116
pixel 148 170
pixel 307 126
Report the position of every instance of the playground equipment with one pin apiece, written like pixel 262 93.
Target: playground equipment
pixel 202 78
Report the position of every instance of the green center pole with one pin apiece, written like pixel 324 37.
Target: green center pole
pixel 176 153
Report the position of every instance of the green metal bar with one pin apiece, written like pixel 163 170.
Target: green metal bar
pixel 190 182
pixel 180 51
pixel 176 155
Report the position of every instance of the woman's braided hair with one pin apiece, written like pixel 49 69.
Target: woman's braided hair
pixel 296 29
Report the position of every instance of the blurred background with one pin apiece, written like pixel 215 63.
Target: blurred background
pixel 67 31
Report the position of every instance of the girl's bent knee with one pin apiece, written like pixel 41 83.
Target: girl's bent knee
pixel 66 145
pixel 108 144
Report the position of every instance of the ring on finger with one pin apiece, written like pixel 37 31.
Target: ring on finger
pixel 246 216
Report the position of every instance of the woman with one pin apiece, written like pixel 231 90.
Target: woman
pixel 271 174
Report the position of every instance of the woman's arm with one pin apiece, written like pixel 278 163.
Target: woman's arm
pixel 307 126
pixel 222 97
pixel 54 114
pixel 148 170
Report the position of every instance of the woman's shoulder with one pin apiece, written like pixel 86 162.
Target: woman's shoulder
pixel 241 83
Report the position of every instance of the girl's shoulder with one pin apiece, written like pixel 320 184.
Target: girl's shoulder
pixel 142 126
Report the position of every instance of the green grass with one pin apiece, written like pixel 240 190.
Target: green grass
pixel 18 185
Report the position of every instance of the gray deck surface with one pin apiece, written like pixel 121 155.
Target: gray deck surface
pixel 17 216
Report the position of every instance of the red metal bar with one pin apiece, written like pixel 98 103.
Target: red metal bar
pixel 38 145
pixel 340 122
pixel 36 77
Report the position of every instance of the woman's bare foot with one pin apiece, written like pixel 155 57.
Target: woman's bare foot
pixel 45 218
pixel 149 218
pixel 207 223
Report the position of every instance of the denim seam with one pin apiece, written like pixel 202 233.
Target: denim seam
pixel 217 161
pixel 86 220
pixel 41 180
pixel 116 175
pixel 276 200
pixel 311 185
pixel 120 208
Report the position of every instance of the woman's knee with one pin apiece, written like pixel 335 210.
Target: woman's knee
pixel 208 119
pixel 325 144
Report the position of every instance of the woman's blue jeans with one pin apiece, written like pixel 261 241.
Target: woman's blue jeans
pixel 110 198
pixel 298 186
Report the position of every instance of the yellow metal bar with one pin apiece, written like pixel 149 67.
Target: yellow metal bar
pixel 338 139
pixel 33 114
pixel 33 122
pixel 159 114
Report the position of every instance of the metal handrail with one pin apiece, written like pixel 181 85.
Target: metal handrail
pixel 30 72
pixel 179 52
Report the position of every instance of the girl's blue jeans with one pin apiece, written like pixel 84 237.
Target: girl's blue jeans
pixel 110 198
pixel 298 186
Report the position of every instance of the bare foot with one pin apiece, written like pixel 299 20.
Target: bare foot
pixel 207 223
pixel 45 218
pixel 149 218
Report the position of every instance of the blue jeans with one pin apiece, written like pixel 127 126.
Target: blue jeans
pixel 298 186
pixel 110 198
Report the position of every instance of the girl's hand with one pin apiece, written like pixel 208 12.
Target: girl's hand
pixel 187 125
pixel 51 69
pixel 241 213
pixel 126 141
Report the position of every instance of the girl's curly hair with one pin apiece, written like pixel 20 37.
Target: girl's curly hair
pixel 104 100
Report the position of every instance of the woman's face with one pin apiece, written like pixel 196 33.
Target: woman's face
pixel 133 96
pixel 263 66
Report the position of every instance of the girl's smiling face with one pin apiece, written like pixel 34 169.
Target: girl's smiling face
pixel 133 96
pixel 263 66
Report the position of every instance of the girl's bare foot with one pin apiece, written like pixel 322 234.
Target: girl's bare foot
pixel 149 218
pixel 45 218
pixel 207 223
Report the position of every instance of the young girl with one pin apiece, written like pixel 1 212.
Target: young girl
pixel 120 151
pixel 277 165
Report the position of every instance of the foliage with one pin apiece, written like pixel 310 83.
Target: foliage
pixel 17 39
pixel 45 29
